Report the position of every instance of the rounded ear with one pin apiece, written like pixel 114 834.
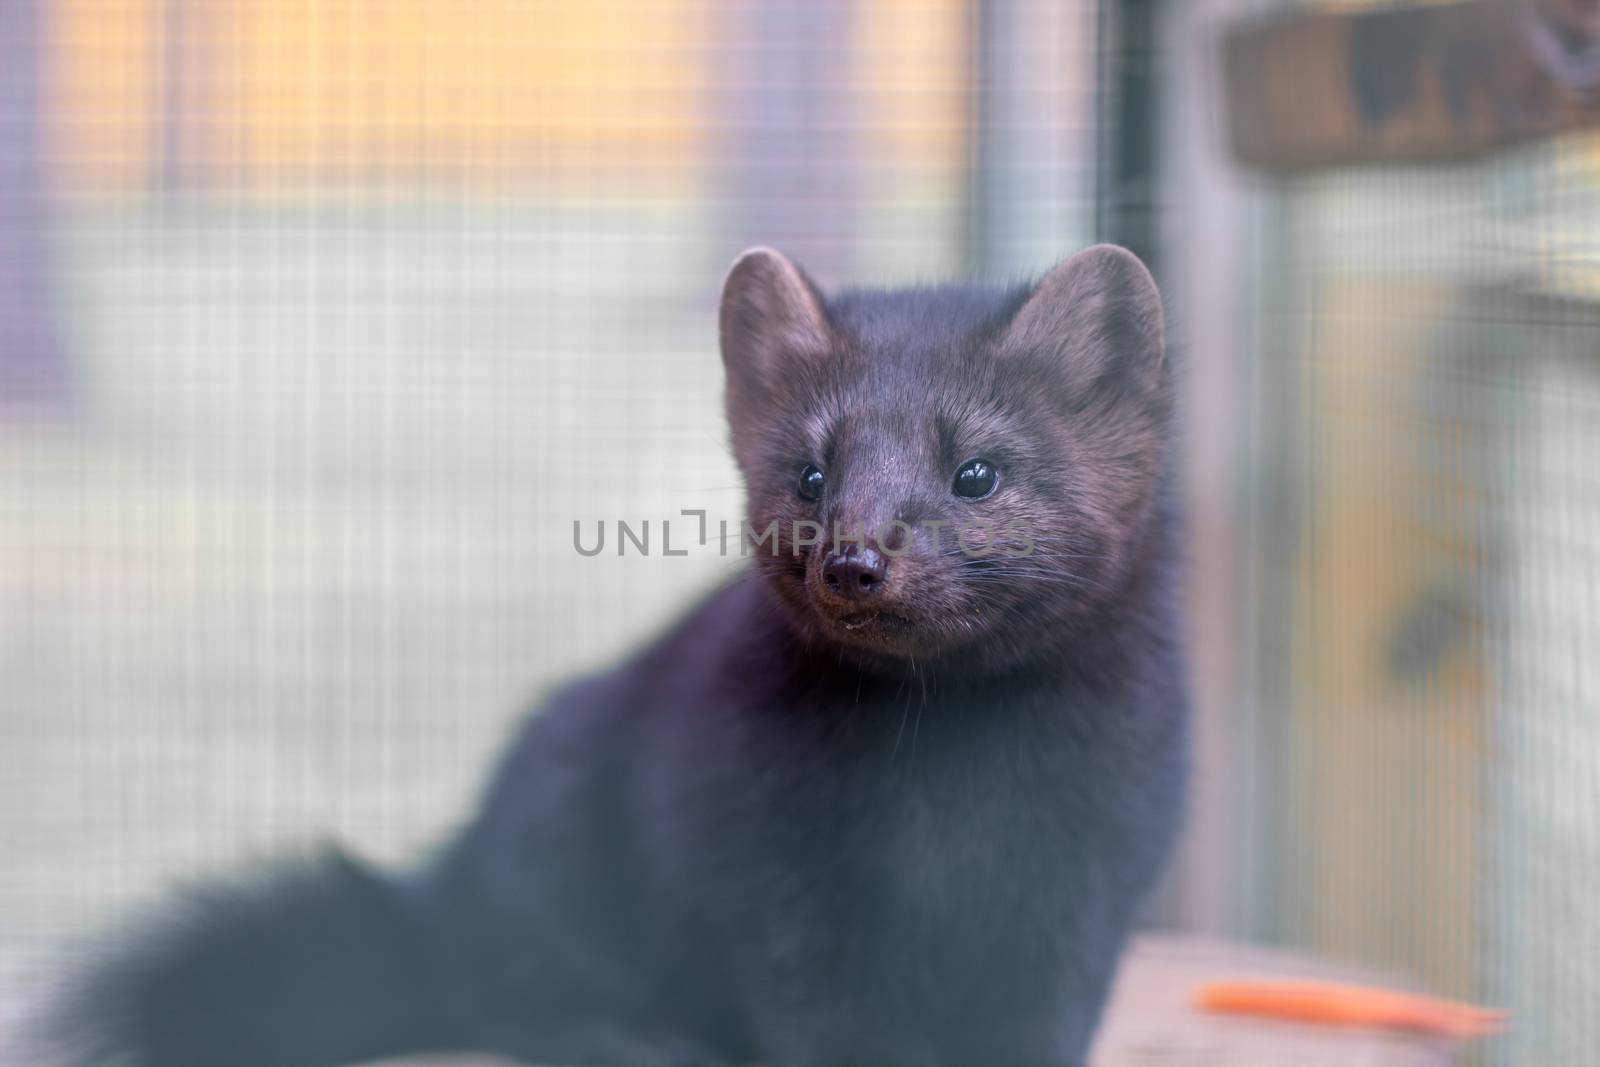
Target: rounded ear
pixel 1099 313
pixel 771 314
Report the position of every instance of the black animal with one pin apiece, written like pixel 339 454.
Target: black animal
pixel 891 797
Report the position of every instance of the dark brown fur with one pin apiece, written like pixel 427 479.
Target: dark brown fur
pixel 812 825
pixel 1068 392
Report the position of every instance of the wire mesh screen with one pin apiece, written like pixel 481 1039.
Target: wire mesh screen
pixel 327 321
pixel 322 323
pixel 1425 585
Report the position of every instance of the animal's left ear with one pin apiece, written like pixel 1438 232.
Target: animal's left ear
pixel 771 320
pixel 1099 314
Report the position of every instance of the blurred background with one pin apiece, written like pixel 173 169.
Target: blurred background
pixel 321 322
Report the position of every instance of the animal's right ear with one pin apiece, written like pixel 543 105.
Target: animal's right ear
pixel 771 316
pixel 1097 315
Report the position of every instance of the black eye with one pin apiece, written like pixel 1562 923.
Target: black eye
pixel 811 479
pixel 975 479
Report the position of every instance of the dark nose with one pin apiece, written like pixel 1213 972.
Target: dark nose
pixel 855 572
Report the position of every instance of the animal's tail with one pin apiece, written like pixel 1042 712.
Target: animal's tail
pixel 321 964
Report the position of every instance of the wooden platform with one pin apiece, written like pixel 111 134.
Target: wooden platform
pixel 1151 1023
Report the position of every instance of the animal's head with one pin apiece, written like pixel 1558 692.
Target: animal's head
pixel 945 468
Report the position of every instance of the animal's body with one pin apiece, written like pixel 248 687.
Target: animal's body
pixel 885 802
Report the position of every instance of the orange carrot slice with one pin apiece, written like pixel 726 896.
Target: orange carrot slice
pixel 1329 1004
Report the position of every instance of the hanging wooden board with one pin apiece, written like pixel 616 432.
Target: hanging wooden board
pixel 1323 87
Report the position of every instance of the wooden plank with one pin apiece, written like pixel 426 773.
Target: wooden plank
pixel 1322 87
pixel 1383 855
